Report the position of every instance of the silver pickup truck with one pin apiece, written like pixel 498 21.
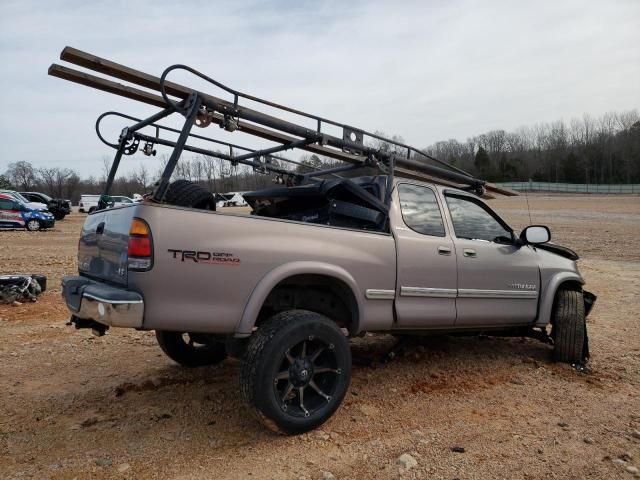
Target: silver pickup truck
pixel 411 250
pixel 291 292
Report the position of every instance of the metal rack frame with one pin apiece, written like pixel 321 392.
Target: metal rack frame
pixel 202 109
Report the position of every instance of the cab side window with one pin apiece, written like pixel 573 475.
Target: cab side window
pixel 472 221
pixel 420 210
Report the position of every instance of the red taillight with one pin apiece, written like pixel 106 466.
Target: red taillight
pixel 140 246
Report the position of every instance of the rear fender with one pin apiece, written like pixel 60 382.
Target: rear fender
pixel 282 272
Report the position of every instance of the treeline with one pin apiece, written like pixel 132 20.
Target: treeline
pixel 585 150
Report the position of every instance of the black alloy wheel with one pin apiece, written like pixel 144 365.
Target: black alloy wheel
pixel 296 371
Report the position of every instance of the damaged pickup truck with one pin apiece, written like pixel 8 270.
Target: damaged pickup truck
pixel 412 250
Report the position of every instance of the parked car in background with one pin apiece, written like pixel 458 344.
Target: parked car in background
pixel 33 205
pixel 88 203
pixel 231 199
pixel 59 207
pixel 17 214
pixel 120 200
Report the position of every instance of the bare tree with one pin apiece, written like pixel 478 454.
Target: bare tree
pixel 106 167
pixel 47 177
pixel 210 172
pixel 62 175
pixel 22 175
pixel 141 176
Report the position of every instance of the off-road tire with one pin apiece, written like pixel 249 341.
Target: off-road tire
pixel 569 327
pixel 173 344
pixel 184 193
pixel 265 359
pixel 33 225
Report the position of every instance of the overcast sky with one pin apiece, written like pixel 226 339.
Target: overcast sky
pixel 426 70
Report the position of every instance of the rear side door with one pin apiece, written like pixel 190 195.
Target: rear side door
pixel 426 262
pixel 498 281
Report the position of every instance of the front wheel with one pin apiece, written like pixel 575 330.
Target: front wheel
pixel 296 371
pixel 33 225
pixel 569 327
pixel 58 215
pixel 191 349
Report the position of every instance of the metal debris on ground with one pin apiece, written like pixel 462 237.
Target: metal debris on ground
pixel 15 289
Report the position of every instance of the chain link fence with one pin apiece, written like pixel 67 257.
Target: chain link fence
pixel 571 187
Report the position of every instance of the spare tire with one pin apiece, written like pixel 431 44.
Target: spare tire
pixel 196 351
pixel 184 193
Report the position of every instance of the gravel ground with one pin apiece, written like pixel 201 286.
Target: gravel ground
pixel 77 406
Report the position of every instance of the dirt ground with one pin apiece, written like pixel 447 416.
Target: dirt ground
pixel 77 406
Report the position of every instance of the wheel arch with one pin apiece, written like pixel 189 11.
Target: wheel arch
pixel 547 300
pixel 317 274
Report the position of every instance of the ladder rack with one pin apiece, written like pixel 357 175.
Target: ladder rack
pixel 202 109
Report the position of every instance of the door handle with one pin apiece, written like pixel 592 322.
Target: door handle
pixel 469 252
pixel 444 251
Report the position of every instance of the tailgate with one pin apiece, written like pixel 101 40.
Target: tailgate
pixel 102 251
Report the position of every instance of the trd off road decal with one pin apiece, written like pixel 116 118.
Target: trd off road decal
pixel 200 256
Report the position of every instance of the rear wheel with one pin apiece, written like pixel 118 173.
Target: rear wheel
pixel 33 225
pixel 184 193
pixel 191 349
pixel 569 327
pixel 296 371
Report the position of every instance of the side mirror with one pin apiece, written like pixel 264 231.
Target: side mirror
pixel 535 234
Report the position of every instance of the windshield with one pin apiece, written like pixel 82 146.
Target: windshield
pixel 46 197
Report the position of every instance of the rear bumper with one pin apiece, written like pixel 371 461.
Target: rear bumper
pixel 111 306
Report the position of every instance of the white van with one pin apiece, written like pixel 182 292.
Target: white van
pixel 88 203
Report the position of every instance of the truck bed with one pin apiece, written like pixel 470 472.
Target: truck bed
pixel 208 266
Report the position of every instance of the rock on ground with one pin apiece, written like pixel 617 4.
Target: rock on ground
pixel 407 462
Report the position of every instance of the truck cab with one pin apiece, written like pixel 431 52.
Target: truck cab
pixel 459 263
